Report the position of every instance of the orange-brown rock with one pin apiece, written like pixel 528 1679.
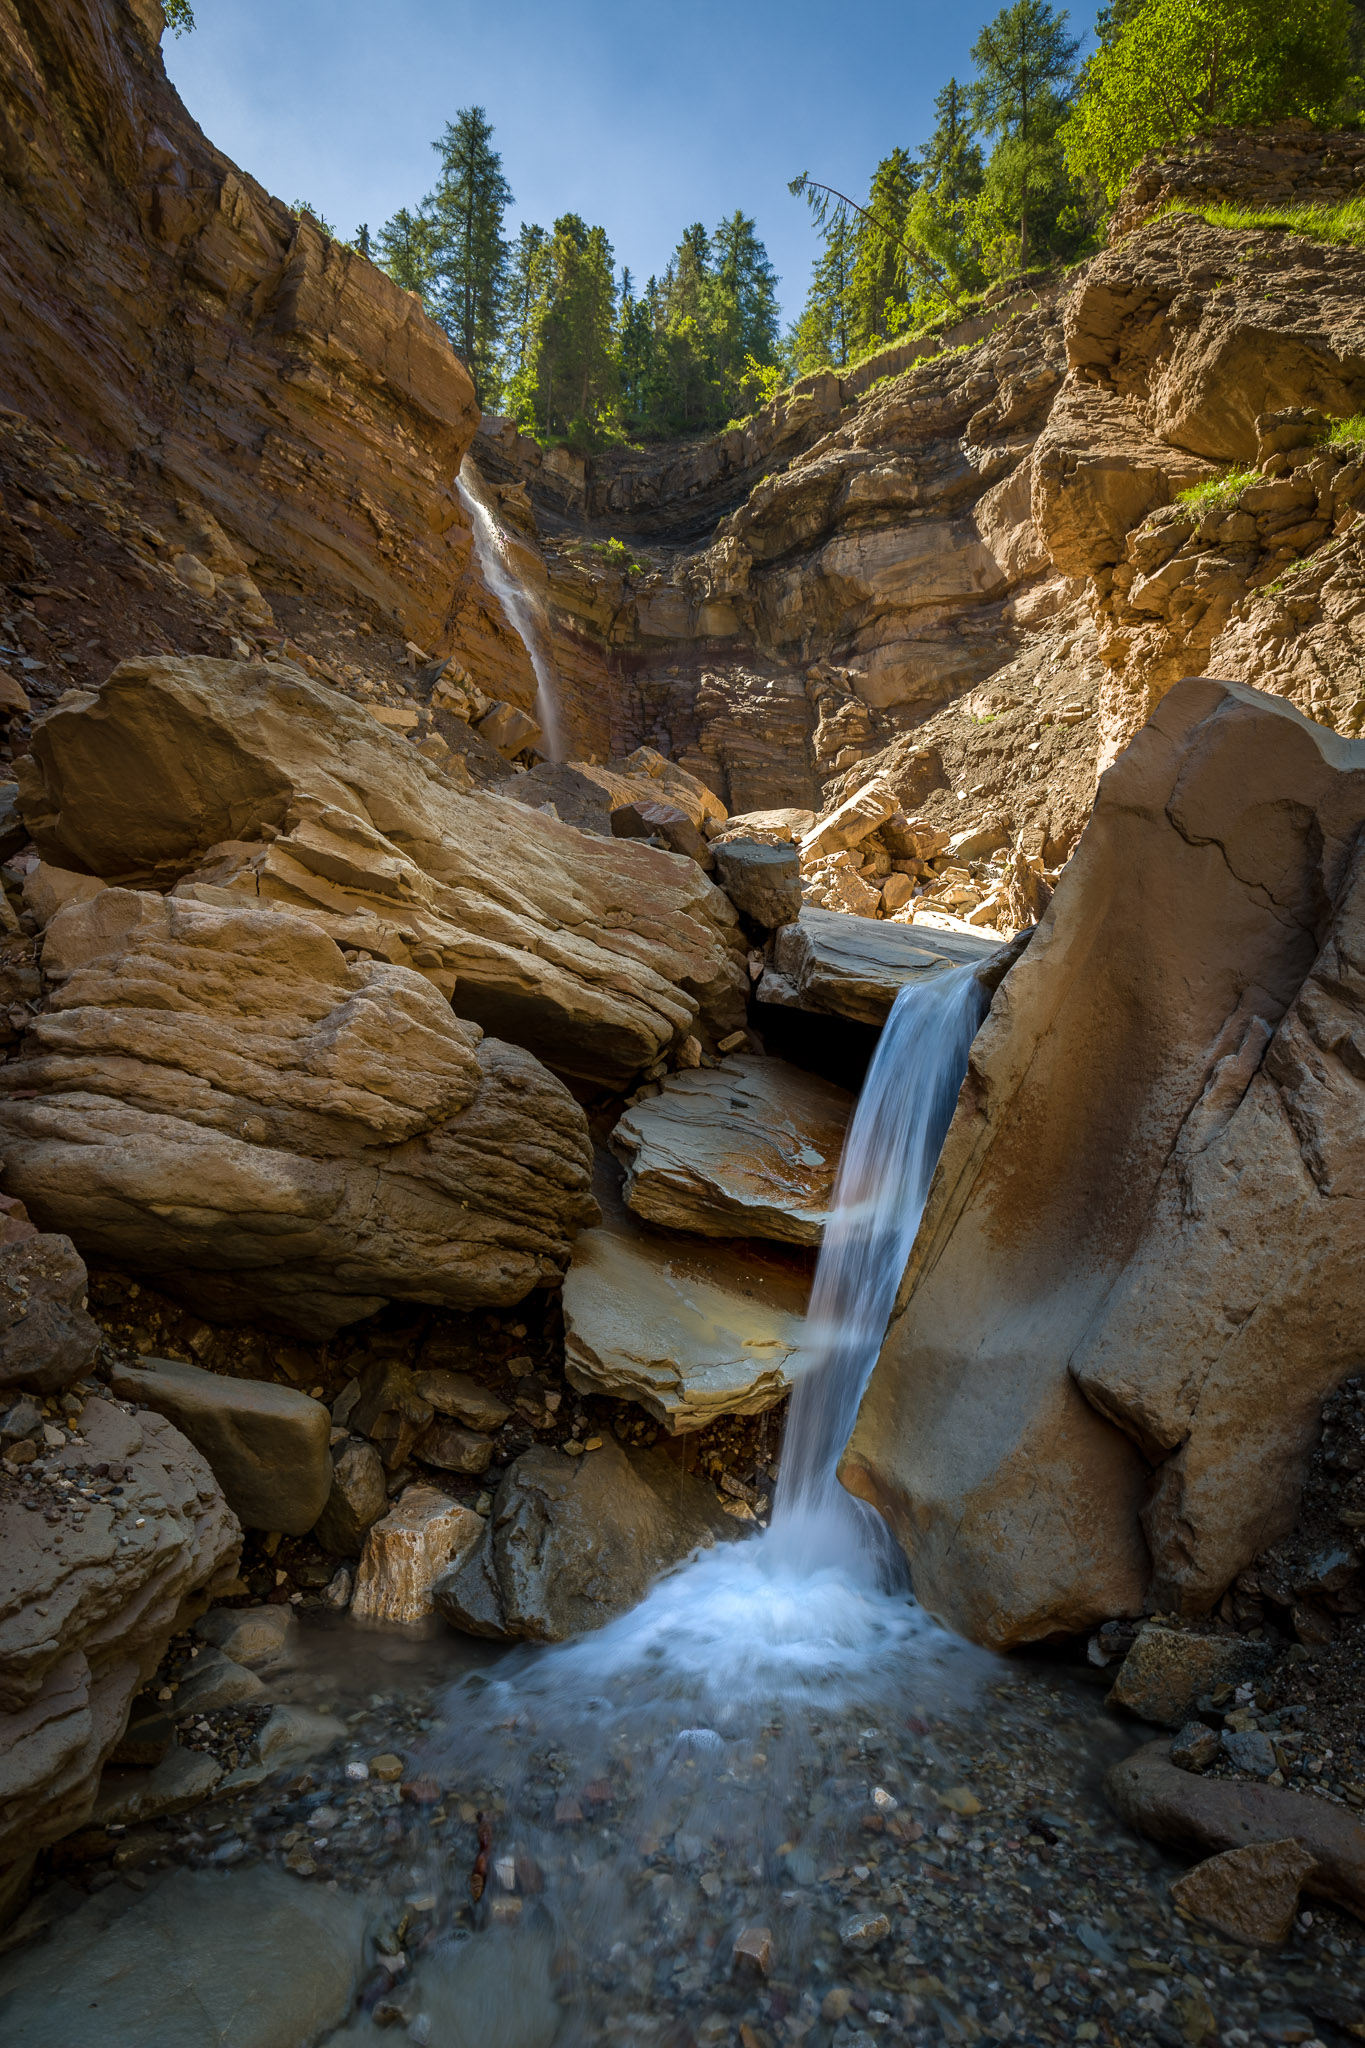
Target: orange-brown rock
pixel 1137 1275
pixel 162 313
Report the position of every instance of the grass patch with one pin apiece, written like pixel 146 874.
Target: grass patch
pixel 1342 224
pixel 1218 493
pixel 1347 433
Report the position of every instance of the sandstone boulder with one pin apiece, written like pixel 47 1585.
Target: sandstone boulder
pixel 87 1605
pixel 854 967
pixel 690 1331
pixel 763 881
pixel 47 1340
pixel 216 1097
pixel 573 1542
pixel 1167 1671
pixel 248 781
pixel 1249 1894
pixel 459 1395
pixel 748 1149
pixel 267 1446
pixel 1137 1274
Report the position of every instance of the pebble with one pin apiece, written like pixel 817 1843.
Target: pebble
pixel 755 1945
pixel 862 1931
pixel 387 1767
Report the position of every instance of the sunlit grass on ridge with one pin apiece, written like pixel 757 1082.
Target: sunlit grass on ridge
pixel 1342 224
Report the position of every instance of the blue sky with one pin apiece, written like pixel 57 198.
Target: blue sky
pixel 639 116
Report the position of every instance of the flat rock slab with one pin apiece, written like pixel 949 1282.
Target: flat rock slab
pixel 1249 1894
pixel 1167 1670
pixel 249 1960
pixel 267 1446
pixel 689 1330
pixel 749 1149
pixel 1210 1815
pixel 856 966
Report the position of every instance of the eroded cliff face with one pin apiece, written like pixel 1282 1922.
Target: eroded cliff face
pixel 257 396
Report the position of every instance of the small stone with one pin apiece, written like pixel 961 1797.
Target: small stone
pixel 711 1885
pixel 958 1799
pixel 253 1636
pixel 567 1811
pixel 754 1946
pixel 1167 1670
pixel 732 1041
pixel 1250 1750
pixel 1249 1894
pixel 387 1767
pixel 357 1772
pixel 837 2005
pixel 862 1931
pixel 337 1592
pixel 422 1791
pixel 885 1801
pixel 1195 1747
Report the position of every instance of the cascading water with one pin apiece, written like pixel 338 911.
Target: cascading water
pixel 518 608
pixel 708 1730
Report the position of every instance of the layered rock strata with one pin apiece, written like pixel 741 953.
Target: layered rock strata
pixel 217 1097
pixel 1135 1281
pixel 243 781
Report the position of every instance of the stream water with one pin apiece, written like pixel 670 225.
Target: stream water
pixel 518 606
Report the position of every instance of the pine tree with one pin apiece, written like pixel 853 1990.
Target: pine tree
pixel 822 334
pixel 745 307
pixel 951 173
pixel 470 257
pixel 1025 65
pixel 880 287
pixel 407 250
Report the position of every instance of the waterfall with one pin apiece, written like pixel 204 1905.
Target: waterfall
pixel 518 608
pixel 889 1156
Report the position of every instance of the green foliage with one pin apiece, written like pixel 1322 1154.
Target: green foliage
pixel 1172 69
pixel 1026 66
pixel 301 210
pixel 1347 433
pixel 1343 225
pixel 451 251
pixel 617 556
pixel 179 16
pixel 1218 493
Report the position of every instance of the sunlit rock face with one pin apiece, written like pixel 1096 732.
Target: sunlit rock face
pixel 1138 1276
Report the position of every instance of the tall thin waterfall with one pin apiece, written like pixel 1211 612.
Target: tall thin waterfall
pixel 518 608
pixel 897 1133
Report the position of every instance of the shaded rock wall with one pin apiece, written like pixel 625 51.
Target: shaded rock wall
pixel 1136 1281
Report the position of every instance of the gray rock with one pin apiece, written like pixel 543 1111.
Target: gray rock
pixel 467 1595
pixel 577 1541
pixel 359 1497
pixel 214 1680
pixel 747 1149
pixel 87 1612
pixel 254 1636
pixel 252 1959
pixel 856 966
pixel 457 1395
pixel 389 1410
pixel 762 881
pixel 1195 1747
pixel 47 1340
pixel 452 1449
pixel 1249 1750
pixel 180 1780
pixel 862 1931
pixel 268 1445
pixel 491 1992
pixel 1167 1670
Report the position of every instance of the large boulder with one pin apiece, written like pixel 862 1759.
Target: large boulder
pixel 216 1097
pixel 267 1446
pixel 1138 1273
pixel 92 1587
pixel 748 1149
pixel 692 1331
pixel 855 967
pixel 247 781
pixel 47 1338
pixel 572 1542
pixel 166 1969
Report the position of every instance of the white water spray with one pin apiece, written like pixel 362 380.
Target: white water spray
pixel 518 608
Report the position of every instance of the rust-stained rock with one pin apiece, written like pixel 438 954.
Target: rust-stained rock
pixel 1138 1272
pixel 1206 1816
pixel 1249 1894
